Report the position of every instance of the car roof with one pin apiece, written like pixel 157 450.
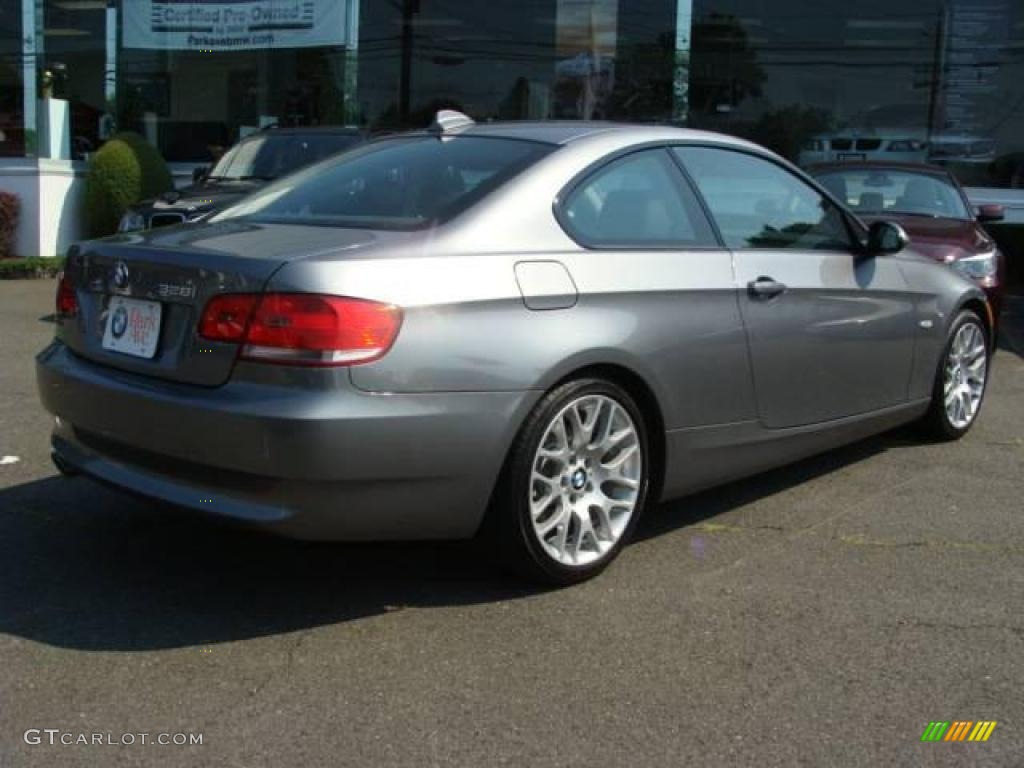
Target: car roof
pixel 566 131
pixel 550 132
pixel 305 130
pixel 879 165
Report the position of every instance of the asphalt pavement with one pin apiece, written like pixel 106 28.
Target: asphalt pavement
pixel 818 615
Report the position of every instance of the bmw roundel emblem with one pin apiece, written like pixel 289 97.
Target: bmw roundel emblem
pixel 119 322
pixel 121 275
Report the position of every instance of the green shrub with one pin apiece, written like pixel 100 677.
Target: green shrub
pixel 124 171
pixel 34 266
pixel 10 207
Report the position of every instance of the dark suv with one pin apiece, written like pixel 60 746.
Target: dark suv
pixel 247 166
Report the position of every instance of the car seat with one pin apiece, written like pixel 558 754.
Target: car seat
pixel 871 201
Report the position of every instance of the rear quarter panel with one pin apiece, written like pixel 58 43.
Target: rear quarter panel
pixel 670 317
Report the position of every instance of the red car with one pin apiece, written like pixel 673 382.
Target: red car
pixel 931 206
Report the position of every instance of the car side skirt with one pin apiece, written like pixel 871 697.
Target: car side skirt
pixel 703 457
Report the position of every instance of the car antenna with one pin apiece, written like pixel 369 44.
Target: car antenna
pixel 449 121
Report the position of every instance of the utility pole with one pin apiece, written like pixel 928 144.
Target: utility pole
pixel 409 9
pixel 936 90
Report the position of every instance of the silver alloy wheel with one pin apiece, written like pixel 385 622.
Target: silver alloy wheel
pixel 585 480
pixel 963 382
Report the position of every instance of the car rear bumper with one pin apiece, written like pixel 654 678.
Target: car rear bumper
pixel 328 462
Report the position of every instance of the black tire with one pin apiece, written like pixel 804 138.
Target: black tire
pixel 509 528
pixel 936 423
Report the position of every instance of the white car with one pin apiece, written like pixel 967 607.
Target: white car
pixel 896 133
pixel 897 146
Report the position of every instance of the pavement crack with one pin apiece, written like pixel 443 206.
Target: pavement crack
pixel 1014 443
pixel 861 540
pixel 255 691
pixel 943 625
pixel 727 528
pixel 285 668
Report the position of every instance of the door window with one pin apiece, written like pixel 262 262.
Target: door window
pixel 758 204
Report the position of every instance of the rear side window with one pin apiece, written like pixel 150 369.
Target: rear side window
pixel 758 204
pixel 640 200
pixel 402 183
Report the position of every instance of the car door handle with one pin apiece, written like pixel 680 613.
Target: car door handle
pixel 765 287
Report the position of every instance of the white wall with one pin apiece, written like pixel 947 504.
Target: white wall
pixel 50 192
pixel 61 209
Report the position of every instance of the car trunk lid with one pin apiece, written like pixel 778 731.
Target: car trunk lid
pixel 135 285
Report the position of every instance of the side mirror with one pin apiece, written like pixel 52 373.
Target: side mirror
pixel 200 173
pixel 991 212
pixel 886 237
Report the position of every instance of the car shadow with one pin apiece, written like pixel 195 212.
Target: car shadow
pixel 699 507
pixel 88 568
pixel 1011 326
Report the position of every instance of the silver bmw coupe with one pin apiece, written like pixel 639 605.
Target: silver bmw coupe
pixel 527 331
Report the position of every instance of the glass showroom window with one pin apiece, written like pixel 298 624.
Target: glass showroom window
pixel 12 107
pixel 920 81
pixel 933 81
pixel 526 60
pixel 73 48
pixel 191 77
pixel 195 78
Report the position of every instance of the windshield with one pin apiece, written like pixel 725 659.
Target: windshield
pixel 400 183
pixel 879 191
pixel 269 155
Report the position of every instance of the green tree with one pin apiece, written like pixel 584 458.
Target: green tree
pixel 787 129
pixel 724 69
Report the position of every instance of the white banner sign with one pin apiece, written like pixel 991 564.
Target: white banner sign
pixel 231 25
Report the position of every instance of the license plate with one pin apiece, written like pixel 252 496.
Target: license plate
pixel 133 326
pixel 852 156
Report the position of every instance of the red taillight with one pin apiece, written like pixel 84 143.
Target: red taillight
pixel 302 328
pixel 67 299
pixel 225 317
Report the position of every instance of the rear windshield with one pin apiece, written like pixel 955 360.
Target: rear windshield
pixel 400 183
